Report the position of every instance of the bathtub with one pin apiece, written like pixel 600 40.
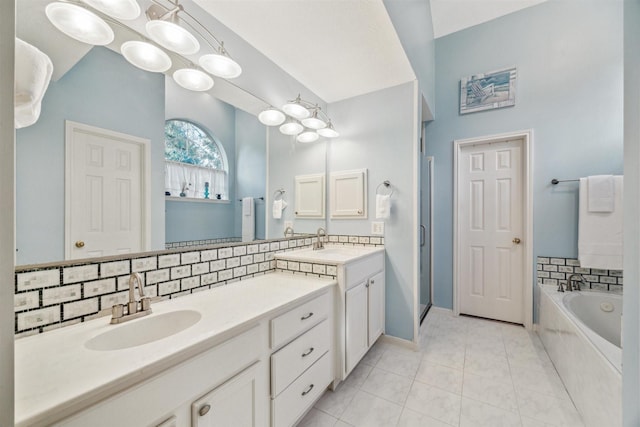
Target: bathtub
pixel 581 333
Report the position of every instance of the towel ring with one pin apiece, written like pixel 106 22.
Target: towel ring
pixel 279 192
pixel 387 185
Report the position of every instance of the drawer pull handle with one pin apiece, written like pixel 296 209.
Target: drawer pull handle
pixel 308 352
pixel 307 391
pixel 204 410
pixel 305 317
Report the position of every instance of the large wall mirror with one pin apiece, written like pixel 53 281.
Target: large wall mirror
pixel 97 87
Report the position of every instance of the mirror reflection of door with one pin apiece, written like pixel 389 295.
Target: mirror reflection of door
pixel 105 193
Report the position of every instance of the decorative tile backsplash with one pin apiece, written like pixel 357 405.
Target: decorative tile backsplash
pixel 52 296
pixel 550 271
pixel 206 242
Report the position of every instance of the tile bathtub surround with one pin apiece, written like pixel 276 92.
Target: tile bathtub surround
pixel 551 270
pixel 55 295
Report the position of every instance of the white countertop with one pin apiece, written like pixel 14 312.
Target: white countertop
pixel 55 374
pixel 330 254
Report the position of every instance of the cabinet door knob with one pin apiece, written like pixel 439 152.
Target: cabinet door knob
pixel 305 317
pixel 359 211
pixel 308 352
pixel 204 410
pixel 79 244
pixel 308 390
pixel 373 281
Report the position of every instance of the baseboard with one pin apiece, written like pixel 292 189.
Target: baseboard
pixel 399 341
pixel 441 310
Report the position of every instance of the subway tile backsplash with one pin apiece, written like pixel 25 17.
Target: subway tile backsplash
pixel 550 271
pixel 53 296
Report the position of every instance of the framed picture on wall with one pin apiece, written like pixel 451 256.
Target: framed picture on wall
pixel 496 89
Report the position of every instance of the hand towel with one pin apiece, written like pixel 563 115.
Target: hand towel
pixel 278 207
pixel 601 193
pixel 248 220
pixel 33 70
pixel 600 233
pixel 383 206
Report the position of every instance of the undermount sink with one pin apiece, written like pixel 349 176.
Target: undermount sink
pixel 144 330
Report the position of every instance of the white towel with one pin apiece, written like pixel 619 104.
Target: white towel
pixel 33 71
pixel 383 206
pixel 601 193
pixel 278 207
pixel 600 233
pixel 248 220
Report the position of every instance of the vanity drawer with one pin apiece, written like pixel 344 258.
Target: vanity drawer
pixel 362 269
pixel 302 393
pixel 293 359
pixel 299 319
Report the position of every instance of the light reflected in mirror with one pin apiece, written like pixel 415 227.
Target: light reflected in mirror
pixel 96 86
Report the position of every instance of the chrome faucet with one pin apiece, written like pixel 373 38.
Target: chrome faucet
pixel 287 230
pixel 319 244
pixel 133 309
pixel 573 284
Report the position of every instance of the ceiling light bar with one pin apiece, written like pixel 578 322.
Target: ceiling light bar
pixel 79 23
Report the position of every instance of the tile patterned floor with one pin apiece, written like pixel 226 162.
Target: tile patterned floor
pixel 468 373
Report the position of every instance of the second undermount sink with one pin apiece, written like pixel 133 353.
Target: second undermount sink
pixel 144 330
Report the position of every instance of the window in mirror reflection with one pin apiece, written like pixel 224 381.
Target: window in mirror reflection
pixel 195 163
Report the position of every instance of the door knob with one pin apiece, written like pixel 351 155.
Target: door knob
pixel 516 240
pixel 79 244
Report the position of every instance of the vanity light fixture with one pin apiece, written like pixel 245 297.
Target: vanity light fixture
pixel 314 122
pixel 118 9
pixel 192 79
pixel 308 136
pixel 295 109
pixel 329 131
pixel 79 23
pixel 220 64
pixel 172 36
pixel 291 127
pixel 271 117
pixel 146 56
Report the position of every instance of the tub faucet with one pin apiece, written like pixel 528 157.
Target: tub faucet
pixel 287 231
pixel 320 244
pixel 133 309
pixel 573 282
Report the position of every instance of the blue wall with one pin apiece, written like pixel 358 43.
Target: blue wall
pixel 102 90
pixel 377 133
pixel 569 91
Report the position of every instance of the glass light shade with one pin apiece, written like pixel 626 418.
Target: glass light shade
pixel 291 127
pixel 296 110
pixel 172 36
pixel 271 117
pixel 328 132
pixel 314 122
pixel 307 136
pixel 119 9
pixel 79 23
pixel 220 65
pixel 192 79
pixel 146 56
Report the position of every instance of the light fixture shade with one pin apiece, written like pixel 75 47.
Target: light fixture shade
pixel 291 127
pixel 220 65
pixel 307 136
pixel 146 56
pixel 79 23
pixel 296 110
pixel 172 36
pixel 192 79
pixel 271 117
pixel 314 122
pixel 329 131
pixel 119 9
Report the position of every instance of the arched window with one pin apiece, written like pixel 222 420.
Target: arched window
pixel 195 163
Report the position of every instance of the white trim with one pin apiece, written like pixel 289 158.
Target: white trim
pixel 527 163
pixel 442 310
pixel 411 345
pixel 145 145
pixel 431 163
pixel 417 130
pixel 268 194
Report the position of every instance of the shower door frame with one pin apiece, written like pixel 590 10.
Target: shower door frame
pixel 527 215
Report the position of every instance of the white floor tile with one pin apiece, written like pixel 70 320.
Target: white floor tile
pixel 490 391
pixel 410 418
pixel 387 385
pixel 402 363
pixel 488 367
pixel 366 410
pixel 444 377
pixel 358 375
pixel 478 414
pixel 439 404
pixel 316 418
pixel 335 402
pixel 545 381
pixel 548 409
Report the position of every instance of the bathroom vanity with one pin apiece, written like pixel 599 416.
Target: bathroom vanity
pixel 360 302
pixel 253 353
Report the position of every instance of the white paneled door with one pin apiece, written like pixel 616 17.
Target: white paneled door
pixel 490 229
pixel 105 200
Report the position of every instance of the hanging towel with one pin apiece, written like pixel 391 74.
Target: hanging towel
pixel 601 193
pixel 383 206
pixel 278 207
pixel 33 71
pixel 248 220
pixel 600 233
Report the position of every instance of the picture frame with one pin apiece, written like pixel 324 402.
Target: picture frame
pixel 488 91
